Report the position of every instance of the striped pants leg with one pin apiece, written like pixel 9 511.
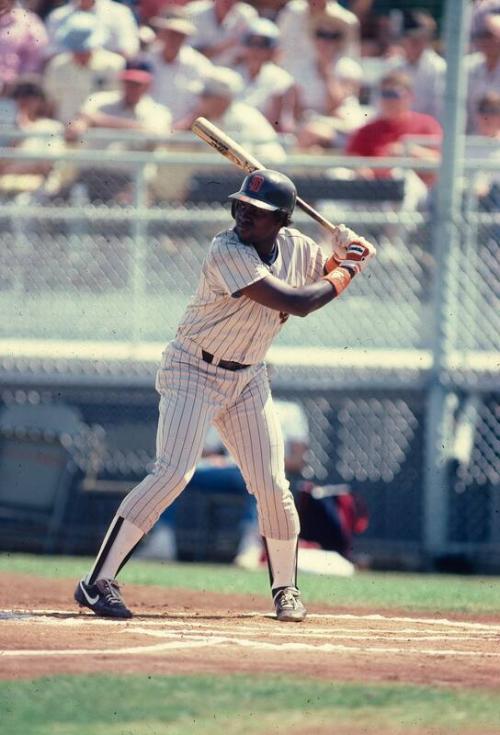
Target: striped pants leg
pixel 251 431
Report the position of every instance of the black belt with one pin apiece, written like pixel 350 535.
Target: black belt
pixel 226 364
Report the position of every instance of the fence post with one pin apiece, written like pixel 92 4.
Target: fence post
pixel 139 253
pixel 446 246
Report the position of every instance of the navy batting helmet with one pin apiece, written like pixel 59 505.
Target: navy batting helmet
pixel 267 189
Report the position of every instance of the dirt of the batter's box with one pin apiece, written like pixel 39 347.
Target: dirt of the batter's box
pixel 176 631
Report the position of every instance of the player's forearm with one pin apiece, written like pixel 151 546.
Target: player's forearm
pixel 311 298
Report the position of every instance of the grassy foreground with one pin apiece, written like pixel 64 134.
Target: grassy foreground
pixel 237 705
pixel 256 705
pixel 438 594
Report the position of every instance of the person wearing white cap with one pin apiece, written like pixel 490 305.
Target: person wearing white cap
pixel 267 86
pixel 218 102
pixel 83 67
pixel 178 69
pixel 220 25
pixel 113 18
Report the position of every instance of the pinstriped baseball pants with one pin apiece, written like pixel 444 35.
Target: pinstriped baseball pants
pixel 194 394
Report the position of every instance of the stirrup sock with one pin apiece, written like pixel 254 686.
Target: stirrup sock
pixel 282 562
pixel 120 541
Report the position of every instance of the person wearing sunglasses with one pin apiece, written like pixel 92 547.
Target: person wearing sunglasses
pixel 390 133
pixel 320 88
pixel 298 21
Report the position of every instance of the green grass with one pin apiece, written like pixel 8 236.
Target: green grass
pixel 438 594
pixel 256 705
pixel 242 705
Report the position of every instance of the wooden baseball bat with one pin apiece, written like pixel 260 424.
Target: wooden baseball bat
pixel 231 150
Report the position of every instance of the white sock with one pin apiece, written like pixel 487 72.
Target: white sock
pixel 121 538
pixel 282 557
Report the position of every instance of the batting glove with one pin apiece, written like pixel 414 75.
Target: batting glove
pixel 357 255
pixel 343 237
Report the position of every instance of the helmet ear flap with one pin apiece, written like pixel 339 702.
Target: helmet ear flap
pixel 234 204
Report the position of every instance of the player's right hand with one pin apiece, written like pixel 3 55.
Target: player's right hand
pixel 357 255
pixel 342 238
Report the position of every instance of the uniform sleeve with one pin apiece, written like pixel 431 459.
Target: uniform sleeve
pixel 233 266
pixel 316 263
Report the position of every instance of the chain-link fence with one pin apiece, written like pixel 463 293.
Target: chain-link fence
pixel 98 264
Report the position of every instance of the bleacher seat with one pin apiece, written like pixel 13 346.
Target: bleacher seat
pixel 206 188
pixel 40 450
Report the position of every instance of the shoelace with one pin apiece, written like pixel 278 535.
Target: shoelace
pixel 289 598
pixel 111 592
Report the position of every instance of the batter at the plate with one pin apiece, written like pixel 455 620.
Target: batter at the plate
pixel 213 372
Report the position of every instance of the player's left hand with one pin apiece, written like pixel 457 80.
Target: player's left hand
pixel 357 255
pixel 342 238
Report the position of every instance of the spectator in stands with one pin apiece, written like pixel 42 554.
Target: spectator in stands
pixel 178 69
pixel 220 24
pixel 267 87
pixel 298 21
pixel 385 135
pixel 83 68
pixel 485 145
pixel 148 9
pixel 132 110
pixel 425 67
pixel 42 133
pixel 327 87
pixel 480 9
pixel 218 103
pixel 346 115
pixel 114 19
pixel 484 65
pixel 23 40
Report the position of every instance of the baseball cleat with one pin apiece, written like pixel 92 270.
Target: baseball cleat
pixel 289 606
pixel 103 598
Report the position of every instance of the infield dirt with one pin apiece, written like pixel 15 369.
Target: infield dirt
pixel 176 631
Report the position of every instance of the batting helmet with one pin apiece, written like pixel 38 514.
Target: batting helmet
pixel 267 189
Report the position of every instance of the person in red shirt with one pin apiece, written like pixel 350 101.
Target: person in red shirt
pixel 390 133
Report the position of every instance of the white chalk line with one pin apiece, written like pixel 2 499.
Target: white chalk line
pixel 32 615
pixel 195 633
pixel 196 641
pixel 302 631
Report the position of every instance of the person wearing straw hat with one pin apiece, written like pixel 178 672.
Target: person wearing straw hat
pixel 178 69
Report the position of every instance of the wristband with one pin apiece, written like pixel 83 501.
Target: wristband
pixel 340 278
pixel 331 264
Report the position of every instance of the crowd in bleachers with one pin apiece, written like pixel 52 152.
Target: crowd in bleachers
pixel 360 77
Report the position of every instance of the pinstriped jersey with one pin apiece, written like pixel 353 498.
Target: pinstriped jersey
pixel 230 325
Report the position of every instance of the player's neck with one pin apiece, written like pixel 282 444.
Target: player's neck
pixel 266 248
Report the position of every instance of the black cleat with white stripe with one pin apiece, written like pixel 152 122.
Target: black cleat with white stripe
pixel 103 598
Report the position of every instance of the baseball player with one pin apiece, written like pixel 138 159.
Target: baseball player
pixel 213 372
